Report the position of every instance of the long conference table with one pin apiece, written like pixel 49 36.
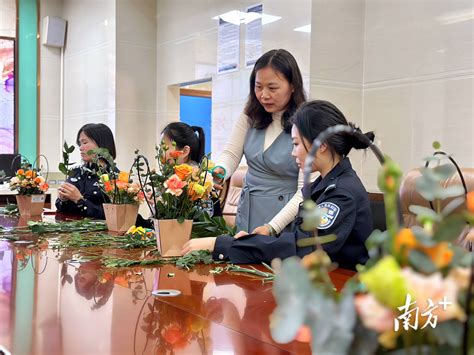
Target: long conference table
pixel 51 304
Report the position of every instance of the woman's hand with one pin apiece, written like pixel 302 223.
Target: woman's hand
pixel 199 244
pixel 240 234
pixel 261 230
pixel 218 174
pixel 70 192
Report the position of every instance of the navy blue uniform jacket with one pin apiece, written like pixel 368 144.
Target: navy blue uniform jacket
pixel 347 215
pixel 88 184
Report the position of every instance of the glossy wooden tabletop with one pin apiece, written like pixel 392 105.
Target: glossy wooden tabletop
pixel 50 305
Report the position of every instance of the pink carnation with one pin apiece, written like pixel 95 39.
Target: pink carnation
pixel 174 185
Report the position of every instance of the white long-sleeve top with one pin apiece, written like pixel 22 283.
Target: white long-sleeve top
pixel 233 152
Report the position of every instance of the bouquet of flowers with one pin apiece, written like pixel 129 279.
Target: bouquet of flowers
pixel 121 189
pixel 177 190
pixel 117 185
pixel 28 181
pixel 413 295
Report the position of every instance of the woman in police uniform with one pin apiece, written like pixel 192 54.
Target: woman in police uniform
pixel 81 194
pixel 338 191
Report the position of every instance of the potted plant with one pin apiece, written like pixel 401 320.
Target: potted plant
pixel 31 187
pixel 175 193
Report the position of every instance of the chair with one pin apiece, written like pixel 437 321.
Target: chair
pixel 6 164
pixel 231 203
pixel 409 196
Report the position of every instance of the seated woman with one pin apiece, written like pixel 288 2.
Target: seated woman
pixel 190 141
pixel 81 194
pixel 338 191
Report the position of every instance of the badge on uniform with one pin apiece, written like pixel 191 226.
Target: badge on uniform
pixel 331 210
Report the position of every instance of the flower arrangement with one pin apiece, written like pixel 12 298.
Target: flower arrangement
pixel 176 190
pixel 120 189
pixel 169 331
pixel 28 181
pixel 413 295
pixel 117 185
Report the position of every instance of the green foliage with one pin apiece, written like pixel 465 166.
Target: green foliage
pixel 252 271
pixel 292 291
pixel 207 226
pixel 82 225
pixel 195 257
pixel 301 302
pixel 128 241
pixel 65 164
pixel 421 262
pixel 10 209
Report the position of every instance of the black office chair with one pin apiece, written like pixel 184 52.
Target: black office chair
pixel 9 165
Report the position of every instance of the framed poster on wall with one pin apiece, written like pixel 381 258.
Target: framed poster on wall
pixel 7 95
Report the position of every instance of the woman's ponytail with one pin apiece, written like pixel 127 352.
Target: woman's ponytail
pixel 198 153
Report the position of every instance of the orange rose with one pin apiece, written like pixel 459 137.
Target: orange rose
pixel 20 172
pixel 405 240
pixel 108 186
pixel 124 176
pixel 183 171
pixel 30 174
pixel 44 187
pixel 440 254
pixel 470 201
pixel 175 154
pixel 121 185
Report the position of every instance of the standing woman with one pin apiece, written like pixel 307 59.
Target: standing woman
pixel 269 200
pixel 81 194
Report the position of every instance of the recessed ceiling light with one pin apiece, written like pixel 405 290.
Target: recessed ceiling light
pixel 238 17
pixel 306 28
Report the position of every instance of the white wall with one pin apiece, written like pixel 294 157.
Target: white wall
pixel 7 18
pixel 89 73
pixel 109 75
pixel 402 68
pixel 135 114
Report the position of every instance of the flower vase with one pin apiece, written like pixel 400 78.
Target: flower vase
pixel 120 218
pixel 172 235
pixel 30 205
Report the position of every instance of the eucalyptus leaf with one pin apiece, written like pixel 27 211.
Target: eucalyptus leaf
pixel 450 228
pixel 291 289
pixel 435 158
pixel 423 213
pixel 444 171
pixel 421 262
pixel 331 323
pixel 423 237
pixel 376 239
pixel 452 206
pixel 451 191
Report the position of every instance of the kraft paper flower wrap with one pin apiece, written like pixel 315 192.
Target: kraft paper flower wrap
pixel 176 192
pixel 414 295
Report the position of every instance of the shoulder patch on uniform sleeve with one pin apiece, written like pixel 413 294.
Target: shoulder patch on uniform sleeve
pixel 331 210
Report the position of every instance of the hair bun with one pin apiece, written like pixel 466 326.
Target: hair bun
pixel 359 141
